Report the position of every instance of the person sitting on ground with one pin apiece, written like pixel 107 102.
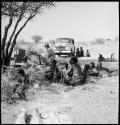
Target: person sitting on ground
pixel 100 58
pixel 23 84
pixel 67 74
pixel 87 53
pixel 93 70
pixel 78 77
pixel 57 73
pixel 54 74
pixel 99 66
pixel 86 70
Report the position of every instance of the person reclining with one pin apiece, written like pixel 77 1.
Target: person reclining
pixel 99 68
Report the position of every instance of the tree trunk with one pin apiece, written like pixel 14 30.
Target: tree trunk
pixel 15 27
pixel 7 61
pixel 8 57
pixel 3 54
pixel 14 41
pixel 6 32
pixel 9 42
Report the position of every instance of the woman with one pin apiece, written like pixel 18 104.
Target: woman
pixel 78 77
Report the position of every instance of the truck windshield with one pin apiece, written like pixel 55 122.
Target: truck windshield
pixel 63 41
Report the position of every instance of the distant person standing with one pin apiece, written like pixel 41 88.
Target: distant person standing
pixel 50 52
pixel 87 53
pixel 112 56
pixel 77 52
pixel 100 59
pixel 81 52
pixel 72 48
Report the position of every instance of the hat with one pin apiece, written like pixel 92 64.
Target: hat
pixel 73 60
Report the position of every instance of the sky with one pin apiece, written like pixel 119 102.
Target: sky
pixel 82 21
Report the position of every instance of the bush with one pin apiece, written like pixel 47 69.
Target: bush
pixel 6 90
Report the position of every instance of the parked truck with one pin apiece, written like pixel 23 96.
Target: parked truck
pixel 64 46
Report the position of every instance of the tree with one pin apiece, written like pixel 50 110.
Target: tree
pixel 36 38
pixel 21 11
pixel 98 41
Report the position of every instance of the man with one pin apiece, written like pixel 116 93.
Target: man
pixel 77 52
pixel 67 74
pixel 50 52
pixel 87 54
pixel 81 52
pixel 72 48
pixel 54 74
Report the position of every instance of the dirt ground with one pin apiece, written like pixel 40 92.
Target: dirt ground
pixel 93 103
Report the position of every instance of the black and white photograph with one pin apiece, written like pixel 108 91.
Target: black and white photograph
pixel 59 62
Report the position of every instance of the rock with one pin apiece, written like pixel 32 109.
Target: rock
pixel 21 117
pixel 55 117
pixel 63 119
pixel 36 117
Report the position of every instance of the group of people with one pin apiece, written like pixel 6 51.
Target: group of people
pixel 72 73
pixel 51 54
pixel 80 53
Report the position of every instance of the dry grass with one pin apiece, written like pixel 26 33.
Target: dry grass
pixel 6 89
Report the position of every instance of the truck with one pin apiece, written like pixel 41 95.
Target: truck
pixel 63 46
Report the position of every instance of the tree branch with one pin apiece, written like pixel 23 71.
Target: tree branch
pixel 19 19
pixel 6 31
pixel 14 41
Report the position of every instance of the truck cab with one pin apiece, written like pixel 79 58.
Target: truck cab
pixel 63 46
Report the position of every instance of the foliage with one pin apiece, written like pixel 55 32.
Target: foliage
pixel 21 11
pixel 37 38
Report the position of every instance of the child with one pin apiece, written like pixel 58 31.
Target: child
pixel 86 69
pixel 93 70
pixel 23 84
pixel 67 74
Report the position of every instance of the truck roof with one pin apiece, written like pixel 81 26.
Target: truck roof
pixel 65 38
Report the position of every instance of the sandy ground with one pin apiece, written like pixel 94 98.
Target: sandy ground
pixel 92 103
